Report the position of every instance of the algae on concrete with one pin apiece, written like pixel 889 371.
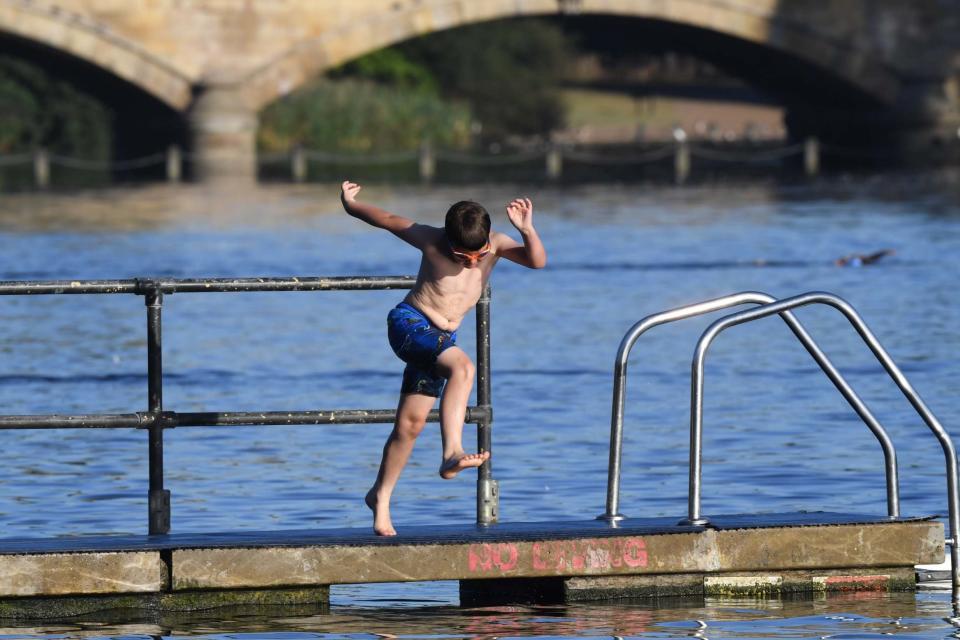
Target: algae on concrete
pixel 56 608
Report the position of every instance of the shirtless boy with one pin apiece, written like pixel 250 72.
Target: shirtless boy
pixel 455 265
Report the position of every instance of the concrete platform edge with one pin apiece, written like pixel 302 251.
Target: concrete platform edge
pixel 630 563
pixel 62 607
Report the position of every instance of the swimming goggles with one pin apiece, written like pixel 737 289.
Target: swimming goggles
pixel 469 256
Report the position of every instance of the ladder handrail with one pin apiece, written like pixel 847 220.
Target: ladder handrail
pixel 780 307
pixel 688 311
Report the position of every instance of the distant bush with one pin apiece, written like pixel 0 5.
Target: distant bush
pixel 505 76
pixel 356 115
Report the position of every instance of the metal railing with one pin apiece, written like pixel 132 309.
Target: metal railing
pixel 771 306
pixel 155 419
pixel 552 158
pixel 781 307
pixel 747 297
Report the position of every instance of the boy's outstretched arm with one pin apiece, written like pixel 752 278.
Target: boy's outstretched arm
pixel 532 252
pixel 403 228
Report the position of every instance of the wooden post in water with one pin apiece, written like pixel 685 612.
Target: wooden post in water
pixel 811 156
pixel 428 163
pixel 298 163
pixel 681 159
pixel 554 163
pixel 174 164
pixel 41 168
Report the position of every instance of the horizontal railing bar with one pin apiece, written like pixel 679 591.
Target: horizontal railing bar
pixel 217 419
pixel 351 283
pixel 205 285
pixel 47 287
pixel 93 421
pixel 279 418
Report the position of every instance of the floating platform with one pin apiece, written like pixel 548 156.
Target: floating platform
pixel 501 563
pixel 494 563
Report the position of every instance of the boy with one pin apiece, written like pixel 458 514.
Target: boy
pixel 455 265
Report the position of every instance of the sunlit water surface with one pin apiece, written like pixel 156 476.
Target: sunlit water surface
pixel 777 435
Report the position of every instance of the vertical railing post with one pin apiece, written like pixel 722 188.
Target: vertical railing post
pixel 41 168
pixel 554 162
pixel 488 491
pixel 681 156
pixel 811 157
pixel 298 164
pixel 174 164
pixel 158 497
pixel 427 162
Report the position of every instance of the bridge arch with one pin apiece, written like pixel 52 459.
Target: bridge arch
pixel 756 23
pixel 91 42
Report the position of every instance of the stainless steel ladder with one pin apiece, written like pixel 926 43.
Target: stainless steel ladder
pixel 771 306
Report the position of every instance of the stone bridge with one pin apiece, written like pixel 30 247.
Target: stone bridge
pixel 889 69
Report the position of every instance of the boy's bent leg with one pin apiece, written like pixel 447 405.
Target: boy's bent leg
pixel 455 365
pixel 412 414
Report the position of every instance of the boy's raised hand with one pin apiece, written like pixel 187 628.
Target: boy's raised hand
pixel 349 191
pixel 520 212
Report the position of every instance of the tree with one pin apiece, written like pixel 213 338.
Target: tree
pixel 509 71
pixel 37 109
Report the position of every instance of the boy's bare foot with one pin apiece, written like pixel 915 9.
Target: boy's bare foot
pixel 452 466
pixel 382 526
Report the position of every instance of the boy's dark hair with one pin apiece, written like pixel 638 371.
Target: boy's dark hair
pixel 467 225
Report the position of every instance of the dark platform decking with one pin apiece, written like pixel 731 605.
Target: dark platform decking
pixel 423 535
pixel 580 559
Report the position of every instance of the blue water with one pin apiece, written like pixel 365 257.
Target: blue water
pixel 777 435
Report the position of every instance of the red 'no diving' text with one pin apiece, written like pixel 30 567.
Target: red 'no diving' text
pixel 559 556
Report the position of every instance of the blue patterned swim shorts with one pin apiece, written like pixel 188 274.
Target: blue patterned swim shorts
pixel 418 343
